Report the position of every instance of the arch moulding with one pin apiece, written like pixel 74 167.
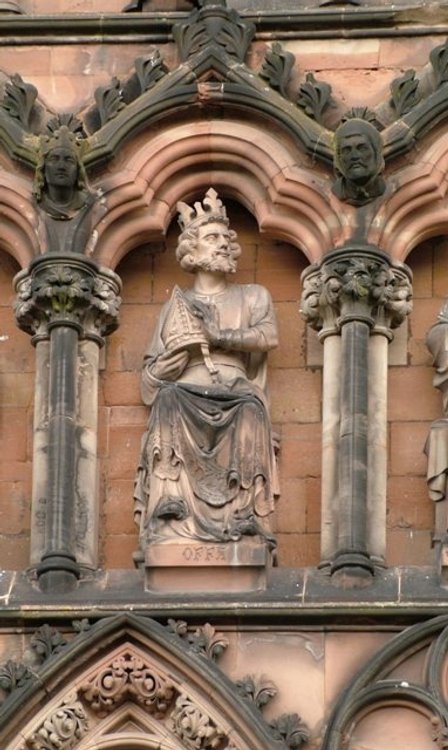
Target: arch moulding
pixel 129 683
pixel 242 160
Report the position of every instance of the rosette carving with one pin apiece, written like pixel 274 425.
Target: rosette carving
pixel 128 676
pixel 63 728
pixel 195 729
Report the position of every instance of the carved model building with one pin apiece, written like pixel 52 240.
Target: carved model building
pixel 223 375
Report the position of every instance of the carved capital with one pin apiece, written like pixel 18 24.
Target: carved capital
pixel 356 285
pixel 62 729
pixel 67 290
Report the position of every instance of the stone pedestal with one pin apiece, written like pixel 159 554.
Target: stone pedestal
pixel 183 567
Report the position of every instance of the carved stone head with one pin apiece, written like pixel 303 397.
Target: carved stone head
pixel 206 242
pixel 60 178
pixel 358 162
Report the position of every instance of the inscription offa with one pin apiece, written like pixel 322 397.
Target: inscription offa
pixel 208 553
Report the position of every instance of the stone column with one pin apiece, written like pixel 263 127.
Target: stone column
pixel 67 303
pixel 355 291
pixel 321 313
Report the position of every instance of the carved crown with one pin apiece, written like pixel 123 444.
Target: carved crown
pixel 211 209
pixel 63 137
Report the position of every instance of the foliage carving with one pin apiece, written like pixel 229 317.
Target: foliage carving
pixel 204 640
pixel 314 97
pixel 18 99
pixel 404 93
pixel 62 730
pixel 109 101
pixel 195 729
pixel 290 729
pixel 277 66
pixel 214 26
pixel 128 676
pixel 14 675
pixel 258 690
pixel 150 70
pixel 46 642
pixel 439 61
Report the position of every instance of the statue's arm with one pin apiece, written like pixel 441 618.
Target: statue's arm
pixel 261 333
pixel 160 364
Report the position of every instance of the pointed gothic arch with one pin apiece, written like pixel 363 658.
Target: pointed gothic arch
pixel 130 683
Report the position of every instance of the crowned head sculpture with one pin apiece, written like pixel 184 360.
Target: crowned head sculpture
pixel 191 219
pixel 60 177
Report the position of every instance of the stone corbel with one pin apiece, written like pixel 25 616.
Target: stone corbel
pixel 354 299
pixel 68 304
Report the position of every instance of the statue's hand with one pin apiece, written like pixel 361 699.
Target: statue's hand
pixel 169 366
pixel 208 315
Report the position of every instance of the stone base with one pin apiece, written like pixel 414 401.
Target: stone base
pixel 182 567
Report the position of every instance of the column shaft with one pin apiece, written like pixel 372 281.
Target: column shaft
pixel 40 451
pixel 58 564
pixel 352 547
pixel 330 442
pixel 377 448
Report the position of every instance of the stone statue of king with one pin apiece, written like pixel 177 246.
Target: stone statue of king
pixel 207 470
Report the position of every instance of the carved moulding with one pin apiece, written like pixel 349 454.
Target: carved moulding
pixel 129 670
pixel 374 688
pixel 212 40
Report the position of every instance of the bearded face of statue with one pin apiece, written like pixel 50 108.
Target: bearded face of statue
pixel 212 251
pixel 357 158
pixel 358 162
